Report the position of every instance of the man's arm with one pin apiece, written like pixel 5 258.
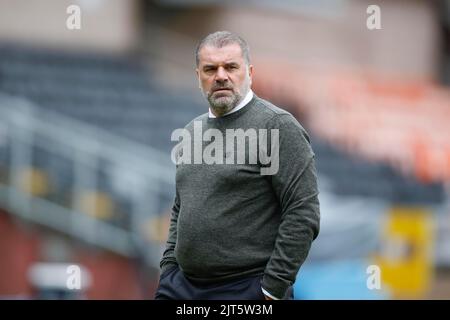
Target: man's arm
pixel 168 258
pixel 295 185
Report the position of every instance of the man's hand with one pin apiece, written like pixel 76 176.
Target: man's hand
pixel 267 298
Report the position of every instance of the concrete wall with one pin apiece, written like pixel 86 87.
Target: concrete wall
pixel 107 25
pixel 407 45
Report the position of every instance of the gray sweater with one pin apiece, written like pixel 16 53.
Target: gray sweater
pixel 230 221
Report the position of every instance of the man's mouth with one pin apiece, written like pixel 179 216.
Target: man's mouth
pixel 222 90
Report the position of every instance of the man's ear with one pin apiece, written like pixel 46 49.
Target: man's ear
pixel 198 77
pixel 250 73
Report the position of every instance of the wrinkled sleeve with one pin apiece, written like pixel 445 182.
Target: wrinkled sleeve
pixel 295 186
pixel 168 258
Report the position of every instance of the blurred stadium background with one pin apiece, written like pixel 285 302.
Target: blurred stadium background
pixel 86 117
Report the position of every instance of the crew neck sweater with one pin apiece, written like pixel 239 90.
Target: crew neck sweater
pixel 230 221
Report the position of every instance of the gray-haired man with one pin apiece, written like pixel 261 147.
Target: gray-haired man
pixel 236 233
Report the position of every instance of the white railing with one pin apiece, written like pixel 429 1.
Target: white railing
pixel 138 173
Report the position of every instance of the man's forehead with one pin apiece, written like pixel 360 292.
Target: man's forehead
pixel 212 55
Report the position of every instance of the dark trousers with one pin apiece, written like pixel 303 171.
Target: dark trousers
pixel 173 285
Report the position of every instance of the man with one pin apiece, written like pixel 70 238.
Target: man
pixel 236 233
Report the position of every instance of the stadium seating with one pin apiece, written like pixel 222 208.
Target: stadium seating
pixel 117 94
pixel 353 175
pixel 399 122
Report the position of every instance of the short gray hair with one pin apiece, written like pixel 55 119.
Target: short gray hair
pixel 221 39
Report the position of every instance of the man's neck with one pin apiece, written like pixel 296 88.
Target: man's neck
pixel 248 97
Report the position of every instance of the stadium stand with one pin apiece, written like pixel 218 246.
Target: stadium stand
pixel 373 115
pixel 118 95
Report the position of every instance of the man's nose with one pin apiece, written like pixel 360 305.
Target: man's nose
pixel 221 75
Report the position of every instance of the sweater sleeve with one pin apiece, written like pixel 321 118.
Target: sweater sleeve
pixel 168 258
pixel 295 185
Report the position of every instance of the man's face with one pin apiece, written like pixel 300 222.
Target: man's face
pixel 223 76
